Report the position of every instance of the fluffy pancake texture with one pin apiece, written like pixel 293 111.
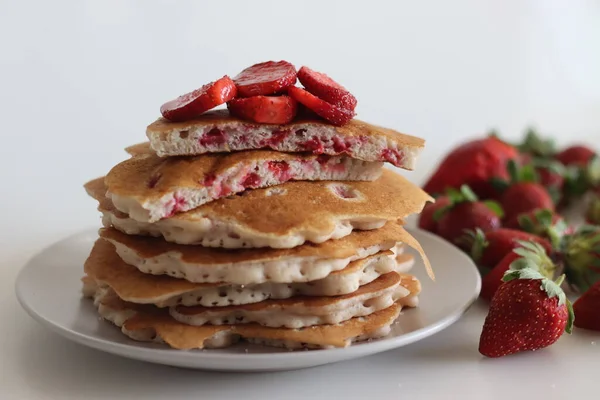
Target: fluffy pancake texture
pixel 147 323
pixel 252 266
pixel 107 268
pixel 218 131
pixel 301 311
pixel 284 216
pixel 149 188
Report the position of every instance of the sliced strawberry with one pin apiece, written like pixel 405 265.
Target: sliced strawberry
pixel 265 78
pixel 326 88
pixel 193 104
pixel 336 115
pixel 264 109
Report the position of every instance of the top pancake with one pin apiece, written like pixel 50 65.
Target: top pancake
pixel 217 131
pixel 149 188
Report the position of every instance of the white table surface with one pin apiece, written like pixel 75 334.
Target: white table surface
pixel 80 80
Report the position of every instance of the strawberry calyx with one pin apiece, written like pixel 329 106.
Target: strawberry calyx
pixel 535 257
pixel 521 270
pixel 592 172
pixel 478 242
pixel 579 180
pixel 537 146
pixel 465 195
pixel 516 174
pixel 581 254
pixel 592 213
pixel 541 222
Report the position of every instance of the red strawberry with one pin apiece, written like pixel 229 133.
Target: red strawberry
pixel 336 115
pixel 426 220
pixel 524 197
pixel 473 163
pixel 541 222
pixel 465 213
pixel 528 312
pixel 265 78
pixel 535 256
pixel 581 178
pixel 489 248
pixel 264 109
pixel 575 155
pixel 581 255
pixel 551 175
pixel 587 309
pixel 193 104
pixel 326 88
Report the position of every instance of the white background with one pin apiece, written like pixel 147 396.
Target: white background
pixel 80 80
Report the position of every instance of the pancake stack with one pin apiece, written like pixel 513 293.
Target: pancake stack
pixel 219 230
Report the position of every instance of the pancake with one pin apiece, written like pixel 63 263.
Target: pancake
pixel 218 131
pixel 107 268
pixel 284 216
pixel 149 188
pixel 300 311
pixel 150 324
pixel 254 266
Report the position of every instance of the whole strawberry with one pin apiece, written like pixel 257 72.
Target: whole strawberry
pixel 587 309
pixel 523 193
pixel 473 163
pixel 426 220
pixel 528 312
pixel 465 213
pixel 489 248
pixel 551 175
pixel 541 222
pixel 529 254
pixel 575 155
pixel 581 256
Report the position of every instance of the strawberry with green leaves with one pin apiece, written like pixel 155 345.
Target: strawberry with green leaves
pixel 473 163
pixel 465 213
pixel 523 192
pixel 587 309
pixel 426 220
pixel 531 254
pixel 487 249
pixel 541 222
pixel 528 312
pixel 581 256
pixel 581 177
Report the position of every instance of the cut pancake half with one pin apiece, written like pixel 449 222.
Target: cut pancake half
pixel 107 268
pixel 218 131
pixel 283 216
pixel 253 266
pixel 149 188
pixel 150 324
pixel 301 311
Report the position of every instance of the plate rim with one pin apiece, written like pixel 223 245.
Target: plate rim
pixel 152 354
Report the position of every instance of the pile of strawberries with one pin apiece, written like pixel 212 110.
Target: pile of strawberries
pixel 501 203
pixel 265 93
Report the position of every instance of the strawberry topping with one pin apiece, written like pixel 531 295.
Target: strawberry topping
pixel 326 88
pixel 265 78
pixel 264 109
pixel 336 115
pixel 193 104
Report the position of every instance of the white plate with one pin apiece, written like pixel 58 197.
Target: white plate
pixel 48 288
